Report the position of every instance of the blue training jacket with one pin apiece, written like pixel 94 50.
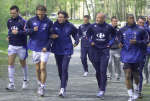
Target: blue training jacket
pixel 133 53
pixel 101 34
pixel 83 35
pixel 147 28
pixel 20 39
pixel 39 39
pixel 63 44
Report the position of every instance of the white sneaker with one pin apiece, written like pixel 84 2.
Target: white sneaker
pixel 136 94
pixel 41 91
pixel 25 84
pixel 145 82
pixel 62 92
pixel 109 77
pixel 11 86
pixel 39 83
pixel 85 74
pixel 100 94
pixel 131 99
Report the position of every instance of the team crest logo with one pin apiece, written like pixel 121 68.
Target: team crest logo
pixel 14 28
pixel 56 28
pixel 134 35
pixel 45 25
pixel 117 29
pixel 34 24
pixel 84 33
pixel 124 34
pixel 100 35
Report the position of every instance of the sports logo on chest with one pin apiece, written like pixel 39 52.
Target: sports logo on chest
pixel 44 26
pixel 95 26
pixel 35 24
pixel 67 30
pixel 124 34
pixel 56 28
pixel 14 28
pixel 100 37
pixel 134 35
pixel 84 33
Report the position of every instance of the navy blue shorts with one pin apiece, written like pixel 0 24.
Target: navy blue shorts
pixel 132 66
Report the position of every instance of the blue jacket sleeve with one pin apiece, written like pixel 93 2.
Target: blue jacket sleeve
pixel 144 40
pixel 75 34
pixel 9 29
pixel 28 28
pixel 22 29
pixel 90 33
pixel 48 45
pixel 80 32
pixel 112 36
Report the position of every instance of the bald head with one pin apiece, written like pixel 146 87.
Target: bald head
pixel 100 18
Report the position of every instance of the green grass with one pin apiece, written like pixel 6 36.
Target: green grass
pixel 3 59
pixel 3 41
pixel 146 92
pixel 3 64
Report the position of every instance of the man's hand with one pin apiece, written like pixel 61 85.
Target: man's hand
pixel 74 45
pixel 108 46
pixel 92 44
pixel 7 38
pixel 54 36
pixel 120 45
pixel 36 28
pixel 132 41
pixel 148 44
pixel 14 31
pixel 44 50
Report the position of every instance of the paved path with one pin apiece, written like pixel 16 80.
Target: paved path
pixel 79 88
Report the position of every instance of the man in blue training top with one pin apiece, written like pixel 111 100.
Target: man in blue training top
pixel 146 67
pixel 39 30
pixel 141 22
pixel 17 46
pixel 101 36
pixel 133 38
pixel 85 44
pixel 62 47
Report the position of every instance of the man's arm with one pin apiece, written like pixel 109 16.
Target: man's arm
pixel 75 35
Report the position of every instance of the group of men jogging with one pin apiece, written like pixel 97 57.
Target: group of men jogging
pixel 105 44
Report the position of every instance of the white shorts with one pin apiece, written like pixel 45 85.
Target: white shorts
pixel 40 56
pixel 19 50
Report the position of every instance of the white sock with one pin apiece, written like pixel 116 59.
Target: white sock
pixel 11 71
pixel 136 87
pixel 25 72
pixel 130 92
pixel 42 85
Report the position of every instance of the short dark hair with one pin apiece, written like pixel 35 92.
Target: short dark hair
pixel 141 17
pixel 130 15
pixel 87 16
pixel 114 17
pixel 63 13
pixel 14 7
pixel 41 8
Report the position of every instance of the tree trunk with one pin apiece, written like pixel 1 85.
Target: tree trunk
pixel 58 5
pixel 45 2
pixel 135 9
pixel 87 7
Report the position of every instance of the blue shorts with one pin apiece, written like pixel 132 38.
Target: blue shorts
pixel 132 66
